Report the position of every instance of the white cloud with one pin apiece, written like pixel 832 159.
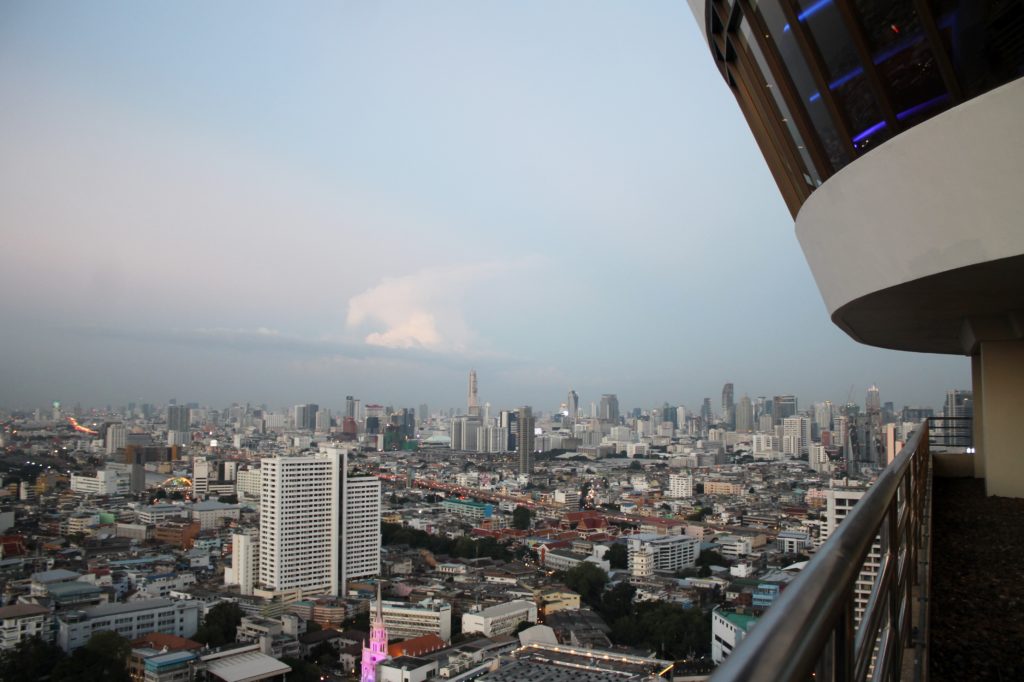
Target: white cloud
pixel 423 309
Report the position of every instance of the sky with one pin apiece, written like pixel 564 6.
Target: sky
pixel 292 202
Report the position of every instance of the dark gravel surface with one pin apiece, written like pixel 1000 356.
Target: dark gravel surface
pixel 977 609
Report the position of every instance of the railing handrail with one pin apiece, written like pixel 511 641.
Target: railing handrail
pixel 787 642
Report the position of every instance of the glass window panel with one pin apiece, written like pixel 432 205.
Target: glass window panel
pixel 983 41
pixel 809 173
pixel 774 19
pixel 846 73
pixel 904 59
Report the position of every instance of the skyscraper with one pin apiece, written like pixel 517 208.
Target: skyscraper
pixel 705 411
pixel 572 404
pixel 524 440
pixel 472 401
pixel 745 415
pixel 609 411
pixel 178 418
pixel 728 406
pixel 350 406
pixel 783 406
pixel 873 401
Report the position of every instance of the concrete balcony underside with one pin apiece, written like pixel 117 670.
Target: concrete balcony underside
pixel 977 595
pixel 928 314
pixel 924 233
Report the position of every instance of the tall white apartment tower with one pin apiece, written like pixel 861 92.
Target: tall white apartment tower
pixel 300 523
pixel 360 528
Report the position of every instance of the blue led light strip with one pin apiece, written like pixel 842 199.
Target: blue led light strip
pixel 810 11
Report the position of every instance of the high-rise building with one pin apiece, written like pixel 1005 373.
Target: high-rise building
pixel 796 435
pixel 745 415
pixel 572 404
pixel 201 477
pixel 304 416
pixel 524 440
pixel 179 418
pixel 115 438
pixel 300 523
pixel 873 401
pixel 350 406
pixel 783 406
pixel 705 412
pixel 728 407
pixel 339 509
pixel 609 411
pixel 245 561
pixel 472 401
pixel 360 528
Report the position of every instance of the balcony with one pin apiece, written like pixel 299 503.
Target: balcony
pixel 946 604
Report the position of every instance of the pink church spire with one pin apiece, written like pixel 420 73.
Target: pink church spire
pixel 377 651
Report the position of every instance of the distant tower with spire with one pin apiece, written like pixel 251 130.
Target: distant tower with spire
pixel 377 650
pixel 474 403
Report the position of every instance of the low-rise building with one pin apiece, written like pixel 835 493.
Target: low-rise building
pixel 430 616
pixel 130 620
pixel 728 628
pixel 22 621
pixel 650 554
pixel 500 619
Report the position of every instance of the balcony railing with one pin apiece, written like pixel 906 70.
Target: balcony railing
pixel 810 631
pixel 951 432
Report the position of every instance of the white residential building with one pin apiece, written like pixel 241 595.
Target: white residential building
pixel 201 477
pixel 428 617
pixel 728 629
pixel 502 619
pixel 245 561
pixel 650 553
pixel 319 527
pixel 103 483
pixel 115 438
pixel 300 519
pixel 680 486
pixel 211 515
pixel 248 483
pixel 130 620
pixel 22 621
pixel 839 502
pixel 361 527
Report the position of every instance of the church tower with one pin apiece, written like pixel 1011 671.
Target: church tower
pixel 377 651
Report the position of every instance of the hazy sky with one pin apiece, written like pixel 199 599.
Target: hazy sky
pixel 291 202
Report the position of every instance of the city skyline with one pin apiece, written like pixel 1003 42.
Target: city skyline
pixel 429 179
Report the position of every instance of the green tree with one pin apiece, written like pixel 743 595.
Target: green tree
pixel 521 517
pixel 618 602
pixel 617 555
pixel 220 625
pixel 588 580
pixel 104 658
pixel 31 660
pixel 109 644
pixel 301 671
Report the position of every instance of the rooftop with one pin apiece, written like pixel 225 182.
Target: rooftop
pixel 22 610
pixel 247 666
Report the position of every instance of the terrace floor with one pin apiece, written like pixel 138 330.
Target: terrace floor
pixel 977 609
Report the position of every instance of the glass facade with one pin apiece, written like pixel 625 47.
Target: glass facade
pixel 836 78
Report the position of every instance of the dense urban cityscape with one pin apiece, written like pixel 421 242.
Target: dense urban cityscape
pixel 162 541
pixel 370 341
